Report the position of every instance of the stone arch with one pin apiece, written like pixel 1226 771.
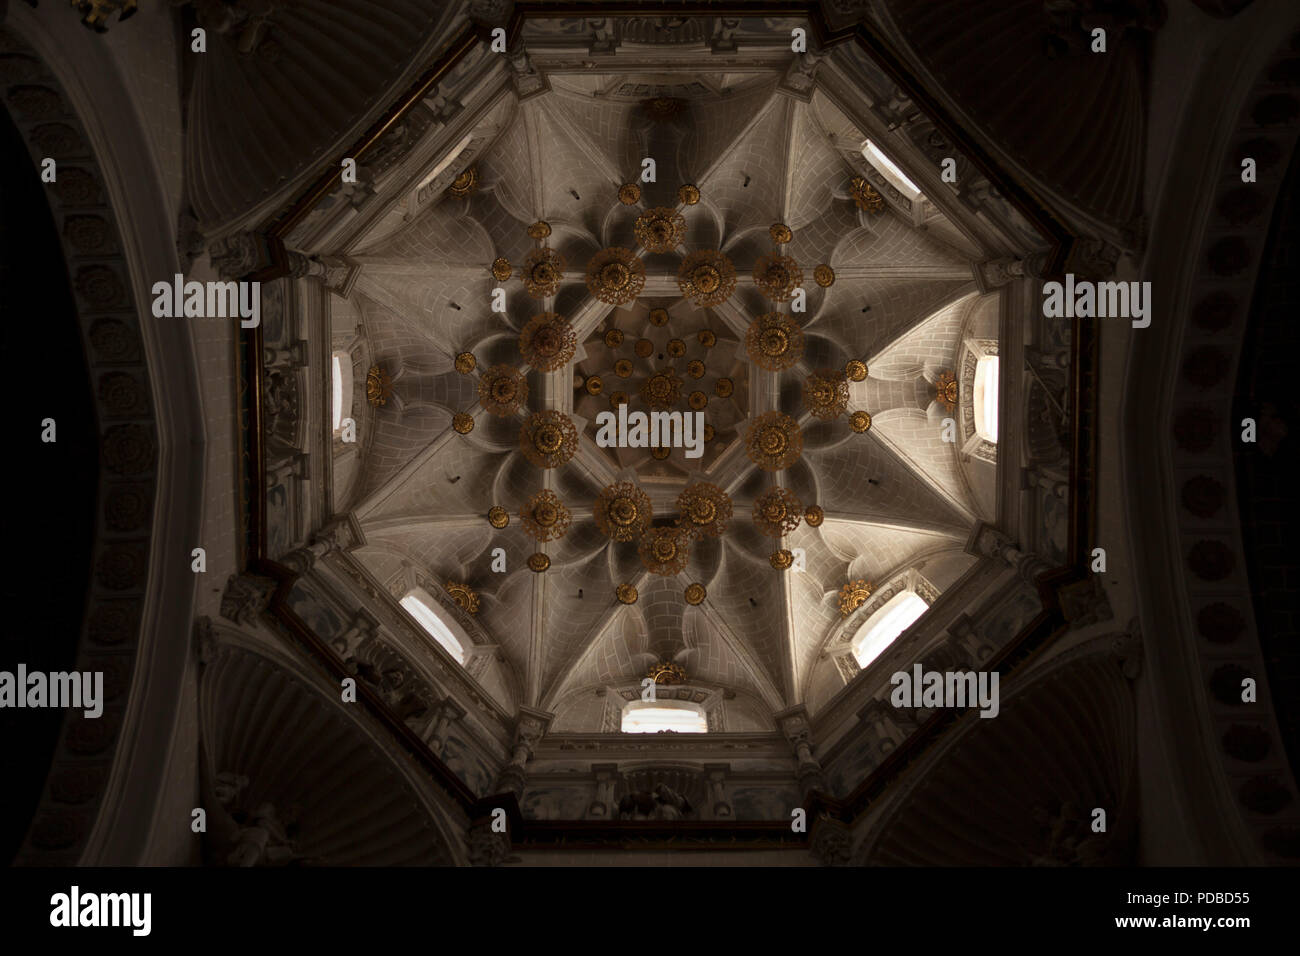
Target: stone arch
pixel 140 420
pixel 270 739
pixel 985 800
pixel 1185 438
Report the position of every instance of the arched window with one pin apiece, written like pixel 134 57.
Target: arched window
pixel 986 398
pixel 420 606
pixel 891 172
pixel 446 161
pixel 341 380
pixel 882 628
pixel 652 716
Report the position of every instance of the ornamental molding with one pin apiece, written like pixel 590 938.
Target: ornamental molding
pixel 126 594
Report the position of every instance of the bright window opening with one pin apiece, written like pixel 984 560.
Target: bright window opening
pixel 650 717
pixel 986 398
pixel 341 382
pixel 446 161
pixel 890 171
pixel 418 605
pixel 338 392
pixel 882 628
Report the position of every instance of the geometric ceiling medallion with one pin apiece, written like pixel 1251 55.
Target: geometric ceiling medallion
pixel 666 672
pixel 464 596
pixel 777 277
pixel 614 338
pixel 502 389
pixel 542 272
pixel 539 230
pixel 462 423
pixel 623 511
pixel 707 338
pixel 773 441
pixel 629 194
pixel 780 233
pixel 658 317
pixel 661 390
pixel 774 341
pixel 688 195
pixel 501 269
pixel 660 229
pixel 826 394
pixel 704 507
pixel 723 387
pixel 626 594
pixel 465 362
pixel 498 517
pixel 465 183
pixel 781 560
pixel 945 391
pixel 663 108
pixel 824 276
pixel 665 551
pixel 548 439
pixel 695 594
pixel 860 422
pixel 545 518
pixel 853 595
pixel 538 562
pixel 379 386
pixel 615 275
pixel 707 277
pixel 777 512
pixel 865 195
pixel 814 516
pixel 856 370
pixel 548 341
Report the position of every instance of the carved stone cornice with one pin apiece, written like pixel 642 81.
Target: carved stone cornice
pixel 794 724
pixel 490 13
pixel 801 77
pixel 239 254
pixel 530 727
pixel 994 273
pixel 245 253
pixel 614 746
pixel 990 542
pixel 1091 258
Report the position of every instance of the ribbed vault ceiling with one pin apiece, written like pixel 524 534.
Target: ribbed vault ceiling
pixel 892 496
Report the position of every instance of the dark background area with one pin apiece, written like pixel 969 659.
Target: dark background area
pixel 48 519
pixel 1268 503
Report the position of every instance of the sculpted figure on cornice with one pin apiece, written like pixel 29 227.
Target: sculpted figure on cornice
pixel 1070 22
pixel 246 596
pixel 237 836
pixel 493 13
pixel 245 22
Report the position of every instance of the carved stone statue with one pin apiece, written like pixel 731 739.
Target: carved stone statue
pixel 246 21
pixel 663 803
pixel 235 837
